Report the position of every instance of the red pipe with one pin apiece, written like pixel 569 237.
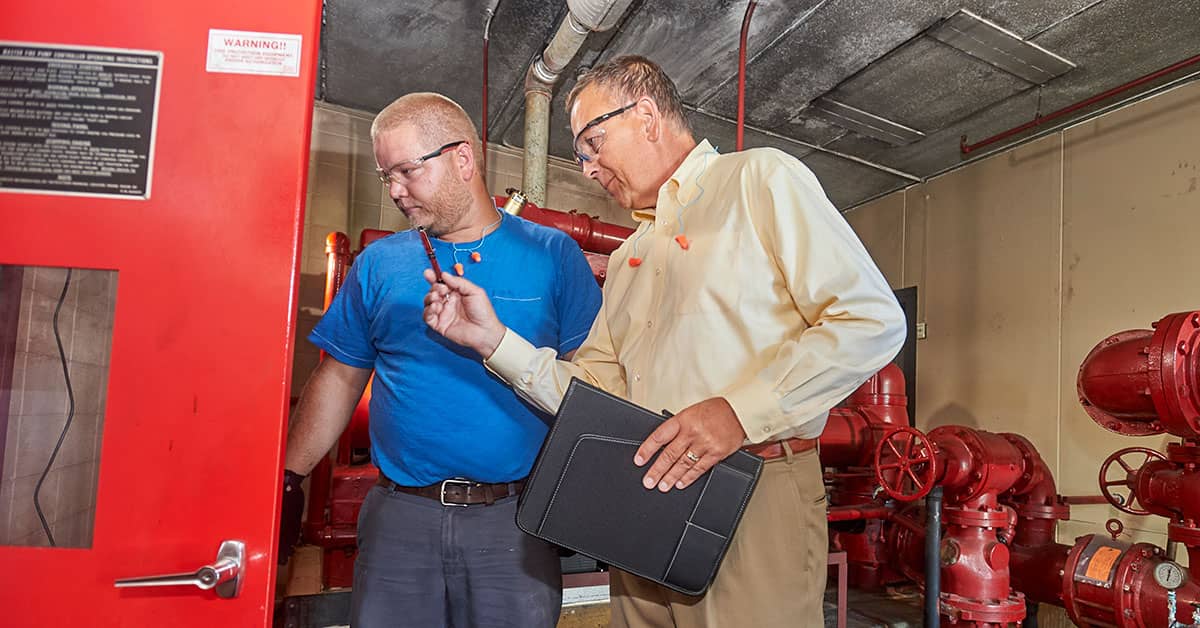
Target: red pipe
pixel 853 513
pixel 969 148
pixel 741 96
pixel 591 233
pixel 855 426
pixel 1048 574
pixel 1084 499
pixel 337 262
pixel 1037 571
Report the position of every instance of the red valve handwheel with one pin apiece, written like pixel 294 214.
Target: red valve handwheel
pixel 906 464
pixel 1129 481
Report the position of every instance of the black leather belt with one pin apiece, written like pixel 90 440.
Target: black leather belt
pixel 458 492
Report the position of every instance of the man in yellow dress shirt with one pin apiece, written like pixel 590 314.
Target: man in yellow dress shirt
pixel 744 302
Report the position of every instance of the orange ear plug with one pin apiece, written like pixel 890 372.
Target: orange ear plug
pixel 476 257
pixel 458 268
pixel 683 241
pixel 635 261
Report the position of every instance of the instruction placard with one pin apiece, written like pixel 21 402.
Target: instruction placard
pixel 246 52
pixel 77 120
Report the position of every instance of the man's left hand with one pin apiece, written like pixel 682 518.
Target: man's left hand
pixel 692 442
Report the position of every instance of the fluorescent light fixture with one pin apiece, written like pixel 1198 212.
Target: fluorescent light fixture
pixel 863 122
pixel 988 42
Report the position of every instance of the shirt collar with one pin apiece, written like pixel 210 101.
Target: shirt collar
pixel 682 183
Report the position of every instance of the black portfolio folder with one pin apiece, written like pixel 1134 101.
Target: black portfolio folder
pixel 585 494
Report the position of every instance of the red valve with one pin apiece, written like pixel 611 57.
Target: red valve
pixel 1125 503
pixel 906 464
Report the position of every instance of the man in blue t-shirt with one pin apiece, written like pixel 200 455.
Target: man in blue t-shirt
pixel 437 539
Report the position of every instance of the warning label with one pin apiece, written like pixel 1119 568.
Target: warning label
pixel 77 120
pixel 244 52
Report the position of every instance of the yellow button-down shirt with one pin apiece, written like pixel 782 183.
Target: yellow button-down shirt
pixel 775 305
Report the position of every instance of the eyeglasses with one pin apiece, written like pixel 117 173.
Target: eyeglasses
pixel 402 172
pixel 587 148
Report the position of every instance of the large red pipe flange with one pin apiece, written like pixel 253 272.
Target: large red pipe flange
pixel 1175 373
pixel 1140 382
pixel 984 613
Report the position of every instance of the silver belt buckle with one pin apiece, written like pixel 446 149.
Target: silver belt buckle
pixel 452 481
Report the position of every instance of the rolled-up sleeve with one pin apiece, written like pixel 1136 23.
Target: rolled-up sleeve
pixel 854 324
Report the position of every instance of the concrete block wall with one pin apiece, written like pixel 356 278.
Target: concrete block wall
pixel 39 405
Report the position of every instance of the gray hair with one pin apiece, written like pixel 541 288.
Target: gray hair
pixel 631 77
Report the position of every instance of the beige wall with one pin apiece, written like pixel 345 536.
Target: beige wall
pixel 1027 259
pixel 39 407
pixel 345 195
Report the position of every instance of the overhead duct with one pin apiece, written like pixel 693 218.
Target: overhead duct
pixel 583 17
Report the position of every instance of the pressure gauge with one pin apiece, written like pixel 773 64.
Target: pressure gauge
pixel 1169 575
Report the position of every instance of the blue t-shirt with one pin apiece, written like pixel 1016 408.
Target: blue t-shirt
pixel 436 413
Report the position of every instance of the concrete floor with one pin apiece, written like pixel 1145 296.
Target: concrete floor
pixel 898 609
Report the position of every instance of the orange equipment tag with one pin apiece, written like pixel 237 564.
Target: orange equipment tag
pixel 1100 567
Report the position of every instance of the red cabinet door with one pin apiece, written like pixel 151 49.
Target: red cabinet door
pixel 206 272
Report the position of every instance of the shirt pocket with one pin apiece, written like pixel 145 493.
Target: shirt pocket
pixel 528 314
pixel 705 278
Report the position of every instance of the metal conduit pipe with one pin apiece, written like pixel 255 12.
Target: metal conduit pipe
pixel 537 140
pixel 583 17
pixel 488 13
pixel 933 563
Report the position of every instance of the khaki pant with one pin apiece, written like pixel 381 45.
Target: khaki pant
pixel 773 574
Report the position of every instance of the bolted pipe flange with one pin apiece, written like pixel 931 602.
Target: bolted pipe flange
pixel 1114 384
pixel 975 518
pixel 1060 512
pixel 1174 362
pixel 1183 453
pixel 1002 612
pixel 1180 533
pixel 976 463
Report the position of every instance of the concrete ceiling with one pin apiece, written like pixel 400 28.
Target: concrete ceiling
pixel 889 59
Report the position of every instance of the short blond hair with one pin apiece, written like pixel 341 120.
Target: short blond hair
pixel 438 117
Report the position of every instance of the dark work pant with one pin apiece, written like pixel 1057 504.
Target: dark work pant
pixel 426 565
